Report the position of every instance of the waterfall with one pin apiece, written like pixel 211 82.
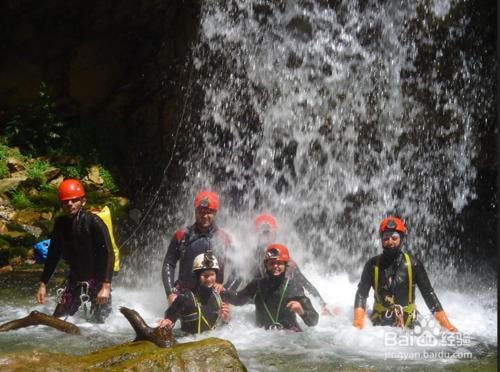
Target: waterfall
pixel 334 115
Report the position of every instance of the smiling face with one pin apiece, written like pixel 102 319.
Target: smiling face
pixel 391 240
pixel 275 267
pixel 72 206
pixel 204 217
pixel 208 278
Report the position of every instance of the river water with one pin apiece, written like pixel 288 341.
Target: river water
pixel 333 344
pixel 331 116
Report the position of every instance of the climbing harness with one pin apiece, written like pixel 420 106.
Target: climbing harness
pixel 198 315
pixel 395 310
pixel 398 312
pixel 276 324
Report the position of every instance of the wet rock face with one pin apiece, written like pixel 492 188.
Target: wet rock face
pixel 207 355
pixel 116 70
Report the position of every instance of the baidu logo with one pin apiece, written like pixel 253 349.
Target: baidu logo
pixel 426 333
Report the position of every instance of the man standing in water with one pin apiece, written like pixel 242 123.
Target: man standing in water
pixel 393 276
pixel 187 243
pixel 83 240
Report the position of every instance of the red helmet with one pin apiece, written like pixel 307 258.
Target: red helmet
pixel 277 252
pixel 265 222
pixel 207 199
pixel 392 224
pixel 70 189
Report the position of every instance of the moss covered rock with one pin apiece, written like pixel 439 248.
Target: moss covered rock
pixel 211 354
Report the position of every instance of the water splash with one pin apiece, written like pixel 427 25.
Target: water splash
pixel 326 116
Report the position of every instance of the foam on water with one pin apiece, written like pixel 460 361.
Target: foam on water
pixel 326 117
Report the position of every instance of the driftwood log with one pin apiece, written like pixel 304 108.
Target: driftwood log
pixel 162 337
pixel 37 318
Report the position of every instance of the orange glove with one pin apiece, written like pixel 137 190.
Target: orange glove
pixel 443 320
pixel 359 318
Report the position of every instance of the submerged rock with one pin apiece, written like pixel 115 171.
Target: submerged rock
pixel 211 354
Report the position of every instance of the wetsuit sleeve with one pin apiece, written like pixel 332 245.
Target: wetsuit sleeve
pixel 425 287
pixel 241 297
pixel 53 255
pixel 106 255
pixel 307 285
pixel 364 285
pixel 310 316
pixel 177 308
pixel 169 263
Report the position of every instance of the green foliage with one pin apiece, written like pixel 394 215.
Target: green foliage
pixel 109 183
pixel 36 127
pixel 18 251
pixel 118 212
pixel 6 151
pixel 72 172
pixel 47 199
pixel 35 169
pixel 95 199
pixel 19 199
pixel 4 170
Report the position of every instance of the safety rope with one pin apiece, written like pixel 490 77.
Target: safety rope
pixel 274 320
pixel 162 182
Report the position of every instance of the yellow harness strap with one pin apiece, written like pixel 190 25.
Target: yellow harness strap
pixel 200 315
pixel 378 308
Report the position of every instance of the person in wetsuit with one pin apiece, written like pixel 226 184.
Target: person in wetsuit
pixel 188 243
pixel 394 275
pixel 201 307
pixel 266 227
pixel 277 297
pixel 82 239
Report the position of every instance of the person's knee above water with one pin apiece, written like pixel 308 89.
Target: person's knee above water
pixel 266 228
pixel 277 298
pixel 200 309
pixel 83 240
pixel 188 243
pixel 394 275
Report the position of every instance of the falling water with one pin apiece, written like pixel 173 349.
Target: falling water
pixel 330 115
pixel 321 115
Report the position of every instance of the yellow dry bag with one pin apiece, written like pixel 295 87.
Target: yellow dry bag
pixel 105 215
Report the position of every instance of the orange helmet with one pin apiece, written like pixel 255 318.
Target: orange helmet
pixel 392 224
pixel 265 222
pixel 277 252
pixel 70 189
pixel 207 199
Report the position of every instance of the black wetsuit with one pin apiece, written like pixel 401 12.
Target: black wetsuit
pixel 271 295
pixel 184 247
pixel 186 308
pixel 292 270
pixel 84 243
pixel 393 284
